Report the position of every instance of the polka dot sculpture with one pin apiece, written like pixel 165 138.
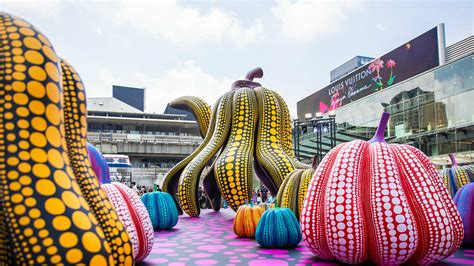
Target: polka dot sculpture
pixel 293 190
pixel 278 228
pixel 162 210
pixel 52 210
pixel 134 215
pixel 75 121
pixel 456 176
pixel 249 132
pixel 246 220
pixel 379 202
pixel 464 201
pixel 198 107
pixel 99 164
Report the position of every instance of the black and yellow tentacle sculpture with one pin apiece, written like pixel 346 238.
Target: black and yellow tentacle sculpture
pixel 75 116
pixel 233 170
pixel 292 191
pixel 171 181
pixel 45 215
pixel 198 107
pixel 259 142
pixel 269 150
pixel 188 183
pixel 286 132
pixel 211 188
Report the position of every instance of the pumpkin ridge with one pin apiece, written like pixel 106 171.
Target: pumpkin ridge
pixel 421 225
pixel 316 234
pixel 290 227
pixel 367 185
pixel 134 215
pixel 429 230
pixel 446 202
pixel 304 183
pixel 338 197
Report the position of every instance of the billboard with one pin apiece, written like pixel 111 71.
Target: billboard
pixel 406 61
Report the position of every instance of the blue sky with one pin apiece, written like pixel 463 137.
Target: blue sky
pixel 176 48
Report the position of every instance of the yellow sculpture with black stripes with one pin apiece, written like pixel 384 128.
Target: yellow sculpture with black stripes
pixel 52 210
pixel 249 133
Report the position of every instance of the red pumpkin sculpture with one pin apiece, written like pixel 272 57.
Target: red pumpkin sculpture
pixel 371 201
pixel 134 215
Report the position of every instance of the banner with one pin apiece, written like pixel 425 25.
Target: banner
pixel 406 61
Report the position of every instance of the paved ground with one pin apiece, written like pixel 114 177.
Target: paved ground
pixel 209 240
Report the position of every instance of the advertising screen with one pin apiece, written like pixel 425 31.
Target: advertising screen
pixel 406 61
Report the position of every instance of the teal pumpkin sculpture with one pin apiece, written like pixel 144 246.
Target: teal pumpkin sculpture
pixel 456 176
pixel 162 210
pixel 278 228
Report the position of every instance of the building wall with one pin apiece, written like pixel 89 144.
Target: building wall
pixel 432 111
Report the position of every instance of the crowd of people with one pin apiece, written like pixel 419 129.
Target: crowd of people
pixel 261 195
pixel 143 189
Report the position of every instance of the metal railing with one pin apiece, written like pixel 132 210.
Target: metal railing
pixel 107 137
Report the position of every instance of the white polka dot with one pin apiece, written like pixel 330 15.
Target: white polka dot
pixel 401 228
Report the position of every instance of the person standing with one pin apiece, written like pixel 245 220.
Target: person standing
pixel 135 187
pixel 264 192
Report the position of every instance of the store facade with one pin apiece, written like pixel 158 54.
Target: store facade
pixel 432 110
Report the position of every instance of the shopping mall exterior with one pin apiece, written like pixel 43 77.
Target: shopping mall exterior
pixel 429 93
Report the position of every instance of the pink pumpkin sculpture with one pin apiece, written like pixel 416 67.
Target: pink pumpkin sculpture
pixel 379 202
pixel 134 216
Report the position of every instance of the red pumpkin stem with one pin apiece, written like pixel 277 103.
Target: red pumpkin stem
pixel 452 156
pixel 380 133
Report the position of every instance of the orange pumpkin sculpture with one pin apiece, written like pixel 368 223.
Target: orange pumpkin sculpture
pixel 246 220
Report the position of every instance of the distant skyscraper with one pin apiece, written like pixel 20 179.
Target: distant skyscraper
pixel 131 96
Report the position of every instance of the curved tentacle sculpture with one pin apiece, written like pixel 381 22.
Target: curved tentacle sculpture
pixel 47 195
pixel 211 188
pixel 171 181
pixel 198 107
pixel 286 139
pixel 250 130
pixel 188 182
pixel 269 150
pixel 75 121
pixel 233 169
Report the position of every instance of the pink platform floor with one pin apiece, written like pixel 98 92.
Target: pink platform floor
pixel 209 240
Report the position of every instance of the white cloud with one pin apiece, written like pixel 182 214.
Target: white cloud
pixel 380 27
pixel 187 78
pixel 187 26
pixel 42 8
pixel 306 19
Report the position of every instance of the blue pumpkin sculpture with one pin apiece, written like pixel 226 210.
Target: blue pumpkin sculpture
pixel 464 201
pixel 162 210
pixel 278 228
pixel 99 164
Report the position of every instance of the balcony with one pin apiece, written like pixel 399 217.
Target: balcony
pixel 172 146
